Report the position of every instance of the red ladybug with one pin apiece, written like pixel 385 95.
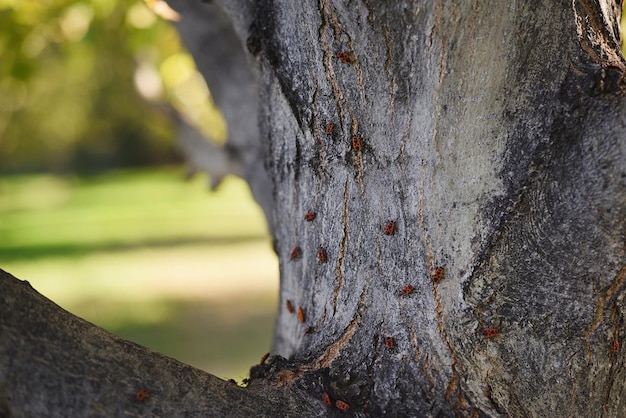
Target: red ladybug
pixel 326 399
pixel 437 274
pixel 141 395
pixel 321 255
pixel 357 143
pixel 329 128
pixel 341 405
pixel 264 358
pixel 390 228
pixel 289 306
pixel 301 315
pixel 309 216
pixel 490 332
pixel 407 290
pixel 295 253
pixel 345 57
pixel 389 342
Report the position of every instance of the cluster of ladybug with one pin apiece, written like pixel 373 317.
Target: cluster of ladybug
pixel 390 226
pixel 388 229
pixel 291 310
pixel 356 141
pixel 341 405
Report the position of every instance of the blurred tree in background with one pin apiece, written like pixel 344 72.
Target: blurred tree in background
pixel 89 85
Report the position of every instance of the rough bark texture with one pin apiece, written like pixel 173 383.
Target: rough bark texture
pixel 493 134
pixel 55 364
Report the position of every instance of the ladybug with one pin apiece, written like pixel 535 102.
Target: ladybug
pixel 345 57
pixel 341 405
pixel 141 395
pixel 326 399
pixel 321 255
pixel 289 306
pixel 615 346
pixel 309 216
pixel 437 274
pixel 265 356
pixel 490 332
pixel 407 290
pixel 301 315
pixel 357 143
pixel 389 342
pixel 390 228
pixel 295 253
pixel 329 128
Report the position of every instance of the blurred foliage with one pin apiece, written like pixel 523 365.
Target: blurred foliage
pixel 88 85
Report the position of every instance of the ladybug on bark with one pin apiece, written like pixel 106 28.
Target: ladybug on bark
pixel 289 306
pixel 301 315
pixel 342 405
pixel 389 342
pixel 329 128
pixel 345 57
pixel 437 274
pixel 490 332
pixel 407 290
pixel 357 142
pixel 141 395
pixel 321 255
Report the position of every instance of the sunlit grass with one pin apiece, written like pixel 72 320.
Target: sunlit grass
pixel 165 263
pixel 47 214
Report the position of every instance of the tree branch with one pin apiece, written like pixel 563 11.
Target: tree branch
pixel 218 48
pixel 55 364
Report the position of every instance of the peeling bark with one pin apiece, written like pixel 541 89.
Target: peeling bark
pixel 493 135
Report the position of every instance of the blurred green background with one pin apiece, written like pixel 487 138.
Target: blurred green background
pixel 94 212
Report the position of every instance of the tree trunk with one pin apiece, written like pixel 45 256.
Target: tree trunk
pixel 446 185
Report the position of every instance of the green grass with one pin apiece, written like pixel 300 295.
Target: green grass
pixel 154 259
pixel 47 215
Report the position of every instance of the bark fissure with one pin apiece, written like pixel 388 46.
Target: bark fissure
pixel 614 351
pixel 327 14
pixel 332 352
pixel 359 73
pixel 430 262
pixel 597 25
pixel 427 373
pixel 600 303
pixel 389 73
pixel 414 343
pixel 343 248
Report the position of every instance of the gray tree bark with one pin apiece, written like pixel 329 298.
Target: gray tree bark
pixel 492 134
